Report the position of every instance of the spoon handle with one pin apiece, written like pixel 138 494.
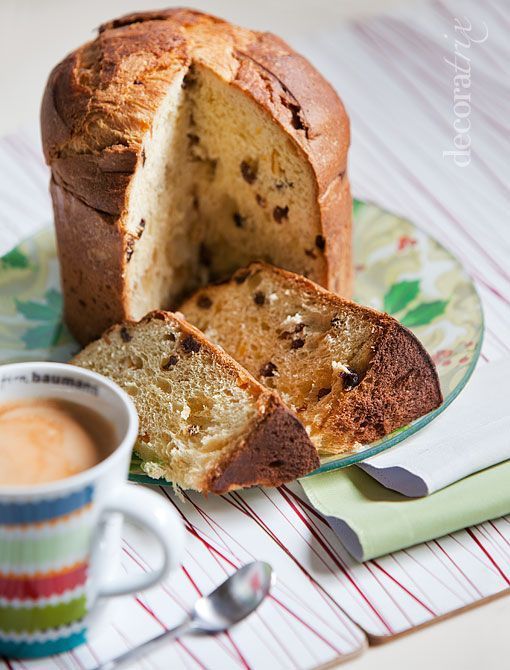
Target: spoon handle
pixel 146 647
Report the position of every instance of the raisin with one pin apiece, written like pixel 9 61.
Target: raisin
pixel 204 301
pixel 320 242
pixel 297 121
pixel 249 171
pixel 259 298
pixel 322 392
pixel 130 247
pixel 204 255
pixel 241 277
pixel 189 80
pixel 189 344
pixel 211 163
pixel 269 369
pixel 262 202
pixel 282 183
pixel 351 379
pixel 280 213
pixel 170 362
pixel 124 334
pixel 296 114
pixel 298 343
pixel 299 327
pixel 141 228
pixel 239 220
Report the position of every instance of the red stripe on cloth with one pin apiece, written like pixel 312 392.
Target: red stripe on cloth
pixel 488 554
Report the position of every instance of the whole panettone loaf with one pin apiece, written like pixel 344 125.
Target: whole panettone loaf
pixel 351 374
pixel 205 423
pixel 181 148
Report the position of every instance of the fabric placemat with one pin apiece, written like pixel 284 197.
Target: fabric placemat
pixel 371 520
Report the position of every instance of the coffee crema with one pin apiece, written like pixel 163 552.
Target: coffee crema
pixel 46 439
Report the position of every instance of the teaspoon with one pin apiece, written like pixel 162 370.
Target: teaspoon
pixel 229 603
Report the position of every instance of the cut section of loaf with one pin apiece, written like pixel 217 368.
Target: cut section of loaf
pixel 181 148
pixel 205 423
pixel 351 374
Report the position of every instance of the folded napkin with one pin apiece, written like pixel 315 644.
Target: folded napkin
pixel 472 434
pixel 370 520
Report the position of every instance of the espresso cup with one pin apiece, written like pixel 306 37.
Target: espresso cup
pixel 55 539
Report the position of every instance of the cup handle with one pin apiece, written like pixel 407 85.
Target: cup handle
pixel 153 513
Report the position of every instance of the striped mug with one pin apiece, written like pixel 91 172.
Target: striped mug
pixel 56 539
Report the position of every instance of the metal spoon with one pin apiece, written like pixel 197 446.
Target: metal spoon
pixel 232 601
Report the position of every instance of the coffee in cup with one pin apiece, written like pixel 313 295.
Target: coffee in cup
pixel 47 439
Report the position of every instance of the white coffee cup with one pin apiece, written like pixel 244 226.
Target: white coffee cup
pixel 53 537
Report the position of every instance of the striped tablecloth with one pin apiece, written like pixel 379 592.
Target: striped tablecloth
pixel 399 77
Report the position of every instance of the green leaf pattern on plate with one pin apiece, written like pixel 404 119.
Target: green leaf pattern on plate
pixel 424 313
pixel 399 295
pixel 31 326
pixel 14 259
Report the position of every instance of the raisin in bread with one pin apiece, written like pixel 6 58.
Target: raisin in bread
pixel 182 147
pixel 205 423
pixel 351 374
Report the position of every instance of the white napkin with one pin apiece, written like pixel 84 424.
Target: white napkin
pixel 472 434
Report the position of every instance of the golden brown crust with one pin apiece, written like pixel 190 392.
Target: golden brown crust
pixel 90 301
pixel 100 101
pixel 400 386
pixel 278 450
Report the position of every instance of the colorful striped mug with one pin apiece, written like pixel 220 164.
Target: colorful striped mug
pixel 55 542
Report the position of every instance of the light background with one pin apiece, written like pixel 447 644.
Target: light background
pixel 35 35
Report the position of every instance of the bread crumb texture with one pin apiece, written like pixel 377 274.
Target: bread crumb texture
pixel 191 409
pixel 198 409
pixel 350 373
pixel 199 196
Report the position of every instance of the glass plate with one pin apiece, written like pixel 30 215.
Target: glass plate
pixel 398 268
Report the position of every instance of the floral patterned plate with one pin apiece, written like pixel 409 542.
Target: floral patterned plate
pixel 398 267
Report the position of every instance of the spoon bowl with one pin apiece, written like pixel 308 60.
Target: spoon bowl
pixel 234 599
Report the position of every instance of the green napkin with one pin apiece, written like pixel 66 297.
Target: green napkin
pixel 371 520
